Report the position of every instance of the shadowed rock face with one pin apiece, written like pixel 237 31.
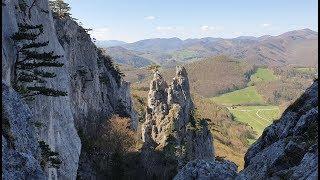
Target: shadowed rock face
pixel 170 125
pixel 287 149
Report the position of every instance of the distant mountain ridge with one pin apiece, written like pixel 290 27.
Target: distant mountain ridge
pixel 109 43
pixel 298 47
pixel 127 57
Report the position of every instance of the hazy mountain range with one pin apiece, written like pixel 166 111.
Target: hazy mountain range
pixel 109 43
pixel 299 47
pixel 127 57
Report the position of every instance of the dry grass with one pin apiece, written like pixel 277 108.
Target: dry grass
pixel 206 76
pixel 230 136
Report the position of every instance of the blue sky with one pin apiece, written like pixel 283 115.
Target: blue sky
pixel 132 20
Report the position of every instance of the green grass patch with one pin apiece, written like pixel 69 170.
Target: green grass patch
pixel 246 96
pixel 258 117
pixel 262 74
pixel 184 54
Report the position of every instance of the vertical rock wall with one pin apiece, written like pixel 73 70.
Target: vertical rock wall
pixel 96 90
pixel 54 113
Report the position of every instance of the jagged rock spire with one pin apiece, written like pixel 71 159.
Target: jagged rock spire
pixel 179 91
pixel 170 123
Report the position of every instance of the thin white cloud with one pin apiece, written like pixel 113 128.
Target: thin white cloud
pixel 211 28
pixel 100 33
pixel 265 25
pixel 164 28
pixel 204 28
pixel 150 18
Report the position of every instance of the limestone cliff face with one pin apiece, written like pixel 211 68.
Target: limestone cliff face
pixel 20 151
pixel 54 113
pixel 170 124
pixel 95 89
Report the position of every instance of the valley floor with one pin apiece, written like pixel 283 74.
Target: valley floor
pixel 258 117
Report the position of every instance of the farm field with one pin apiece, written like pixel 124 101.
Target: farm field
pixel 248 106
pixel 258 117
pixel 306 69
pixel 262 74
pixel 244 96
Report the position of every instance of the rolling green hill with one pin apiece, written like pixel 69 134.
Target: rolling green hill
pixel 262 74
pixel 258 117
pixel 212 76
pixel 246 96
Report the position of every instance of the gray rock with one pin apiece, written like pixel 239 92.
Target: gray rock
pixel 20 151
pixel 170 124
pixel 207 169
pixel 96 92
pixel 53 112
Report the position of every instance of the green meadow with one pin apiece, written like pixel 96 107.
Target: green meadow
pixel 244 96
pixel 262 74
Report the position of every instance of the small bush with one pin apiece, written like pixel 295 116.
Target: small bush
pixel 108 144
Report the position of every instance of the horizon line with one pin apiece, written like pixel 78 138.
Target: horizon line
pixel 183 39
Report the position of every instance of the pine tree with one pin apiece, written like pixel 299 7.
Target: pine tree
pixel 29 74
pixel 60 8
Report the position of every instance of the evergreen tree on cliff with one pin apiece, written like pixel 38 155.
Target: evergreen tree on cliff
pixel 60 8
pixel 31 63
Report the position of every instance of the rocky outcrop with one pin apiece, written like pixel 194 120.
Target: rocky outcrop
pixel 20 150
pixel 171 126
pixel 288 149
pixel 208 169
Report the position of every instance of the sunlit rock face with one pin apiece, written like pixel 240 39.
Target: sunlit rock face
pixel 170 127
pixel 54 113
pixel 96 89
